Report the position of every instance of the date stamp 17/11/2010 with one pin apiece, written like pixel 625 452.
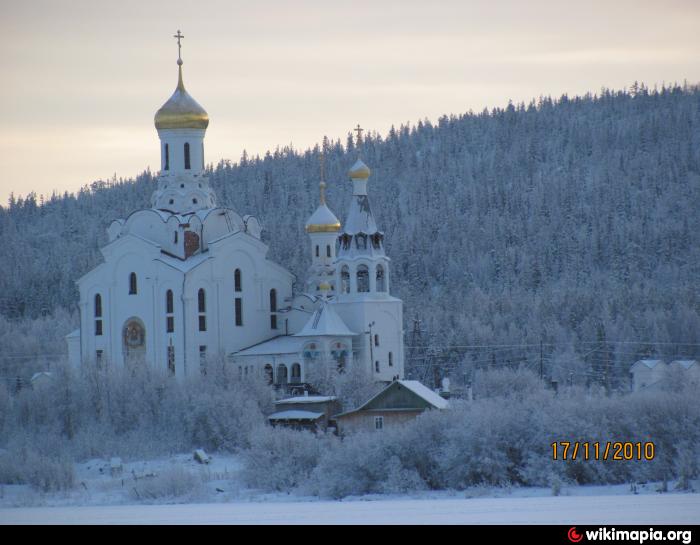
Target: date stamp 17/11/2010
pixel 603 450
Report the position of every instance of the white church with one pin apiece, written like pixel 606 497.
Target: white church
pixel 186 281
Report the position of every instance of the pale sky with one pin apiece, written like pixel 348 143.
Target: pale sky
pixel 82 80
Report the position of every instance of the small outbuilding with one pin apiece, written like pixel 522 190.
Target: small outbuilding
pixel 305 412
pixel 400 402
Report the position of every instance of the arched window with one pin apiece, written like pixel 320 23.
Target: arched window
pixel 345 279
pixel 268 373
pixel 362 279
pixel 381 279
pixel 237 282
pixel 132 284
pixel 273 309
pixel 169 309
pixel 296 373
pixel 281 374
pixel 98 314
pixel 175 237
pixel 187 156
pixel 202 308
pixel 167 157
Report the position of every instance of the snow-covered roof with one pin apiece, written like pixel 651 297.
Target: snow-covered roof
pixel 360 218
pixel 295 415
pixel 323 216
pixel 325 322
pixel 685 364
pixel 424 392
pixel 283 344
pixel 647 363
pixel 305 399
pixel 184 265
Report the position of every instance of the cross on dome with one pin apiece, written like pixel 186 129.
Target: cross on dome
pixel 179 37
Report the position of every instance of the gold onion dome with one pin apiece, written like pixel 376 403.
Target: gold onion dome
pixel 323 220
pixel 181 111
pixel 359 171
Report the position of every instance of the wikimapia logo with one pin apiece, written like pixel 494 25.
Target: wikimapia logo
pixel 637 536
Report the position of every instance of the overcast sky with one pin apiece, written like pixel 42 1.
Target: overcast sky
pixel 81 80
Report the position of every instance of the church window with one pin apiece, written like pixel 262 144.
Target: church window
pixel 376 239
pixel 317 250
pixel 268 373
pixel 362 279
pixel 282 374
pixel 203 360
pixel 187 156
pixel 171 359
pixel 391 359
pixel 182 186
pixel 339 353
pixel 296 373
pixel 171 201
pixel 169 308
pixel 202 308
pixel 381 279
pixel 98 357
pixel 98 306
pixel 194 201
pixel 376 366
pixel 376 340
pixel 98 328
pixel 239 311
pixel 378 423
pixel 328 250
pixel 237 282
pixel 175 237
pixel 273 309
pixel 167 158
pixel 345 279
pixel 132 284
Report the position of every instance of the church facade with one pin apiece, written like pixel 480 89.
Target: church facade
pixel 187 281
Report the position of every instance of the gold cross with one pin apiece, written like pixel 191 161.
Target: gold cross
pixel 358 130
pixel 179 37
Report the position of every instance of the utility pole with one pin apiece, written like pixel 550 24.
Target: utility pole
pixel 541 361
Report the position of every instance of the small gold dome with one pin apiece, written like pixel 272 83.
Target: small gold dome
pixel 181 111
pixel 359 171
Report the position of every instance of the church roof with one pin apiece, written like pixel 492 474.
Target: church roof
pixel 325 322
pixel 283 344
pixel 181 111
pixel 323 221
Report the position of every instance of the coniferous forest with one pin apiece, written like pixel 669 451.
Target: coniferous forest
pixel 561 235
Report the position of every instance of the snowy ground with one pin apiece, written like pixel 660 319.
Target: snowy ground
pixel 218 496
pixel 582 510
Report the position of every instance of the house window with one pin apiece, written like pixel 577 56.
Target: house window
pixel 132 284
pixel 378 422
pixel 187 156
pixel 171 359
pixel 203 360
pixel 239 311
pixel 362 279
pixel 237 285
pixel 273 309
pixel 167 157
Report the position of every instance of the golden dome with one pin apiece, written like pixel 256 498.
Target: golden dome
pixel 359 171
pixel 181 111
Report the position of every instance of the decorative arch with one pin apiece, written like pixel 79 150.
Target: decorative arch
pixel 362 278
pixel 134 341
pixel 296 373
pixel 381 278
